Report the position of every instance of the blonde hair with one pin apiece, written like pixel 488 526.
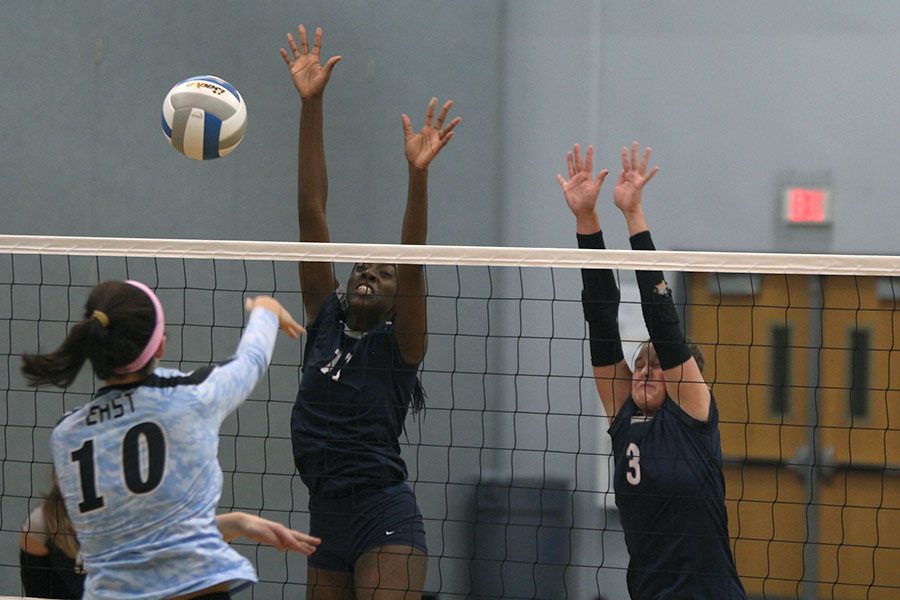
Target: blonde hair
pixel 693 348
pixel 59 527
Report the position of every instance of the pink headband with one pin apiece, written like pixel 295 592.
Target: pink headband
pixel 155 338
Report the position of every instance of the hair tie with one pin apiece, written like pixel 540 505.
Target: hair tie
pixel 102 317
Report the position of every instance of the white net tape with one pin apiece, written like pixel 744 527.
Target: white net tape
pixel 718 262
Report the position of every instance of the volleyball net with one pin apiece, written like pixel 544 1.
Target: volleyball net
pixel 510 460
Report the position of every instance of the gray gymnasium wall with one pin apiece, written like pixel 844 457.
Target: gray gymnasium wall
pixel 734 97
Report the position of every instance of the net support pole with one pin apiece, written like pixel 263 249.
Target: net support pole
pixel 811 473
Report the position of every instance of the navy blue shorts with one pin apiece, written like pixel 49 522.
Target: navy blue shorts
pixel 362 521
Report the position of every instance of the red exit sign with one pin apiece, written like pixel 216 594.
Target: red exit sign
pixel 807 206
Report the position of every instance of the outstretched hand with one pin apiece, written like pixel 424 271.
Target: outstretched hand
pixel 264 531
pixel 286 322
pixel 421 147
pixel 275 534
pixel 309 76
pixel 633 178
pixel 580 190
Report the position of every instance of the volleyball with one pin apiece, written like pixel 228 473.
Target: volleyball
pixel 204 117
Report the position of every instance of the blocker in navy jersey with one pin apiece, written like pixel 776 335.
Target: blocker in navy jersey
pixel 671 497
pixel 351 406
pixel 138 467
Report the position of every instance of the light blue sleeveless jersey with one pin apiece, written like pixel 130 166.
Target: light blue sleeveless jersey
pixel 138 467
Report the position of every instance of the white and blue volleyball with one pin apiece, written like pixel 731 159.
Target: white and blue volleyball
pixel 204 117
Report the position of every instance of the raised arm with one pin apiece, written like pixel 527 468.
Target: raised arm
pixel 228 384
pixel 310 77
pixel 683 379
pixel 411 320
pixel 600 294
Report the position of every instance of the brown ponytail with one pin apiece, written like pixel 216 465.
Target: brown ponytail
pixel 108 343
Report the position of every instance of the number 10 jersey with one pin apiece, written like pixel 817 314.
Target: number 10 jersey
pixel 138 467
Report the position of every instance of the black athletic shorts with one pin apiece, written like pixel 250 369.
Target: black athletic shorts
pixel 362 520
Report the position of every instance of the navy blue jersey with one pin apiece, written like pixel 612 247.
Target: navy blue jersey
pixel 353 400
pixel 51 576
pixel 55 574
pixel 670 491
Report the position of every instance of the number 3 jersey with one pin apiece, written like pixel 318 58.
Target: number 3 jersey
pixel 138 467
pixel 670 492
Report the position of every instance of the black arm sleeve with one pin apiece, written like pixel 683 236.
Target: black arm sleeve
pixel 659 311
pixel 37 575
pixel 600 300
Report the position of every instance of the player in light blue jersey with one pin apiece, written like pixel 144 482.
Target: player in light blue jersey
pixel 138 465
